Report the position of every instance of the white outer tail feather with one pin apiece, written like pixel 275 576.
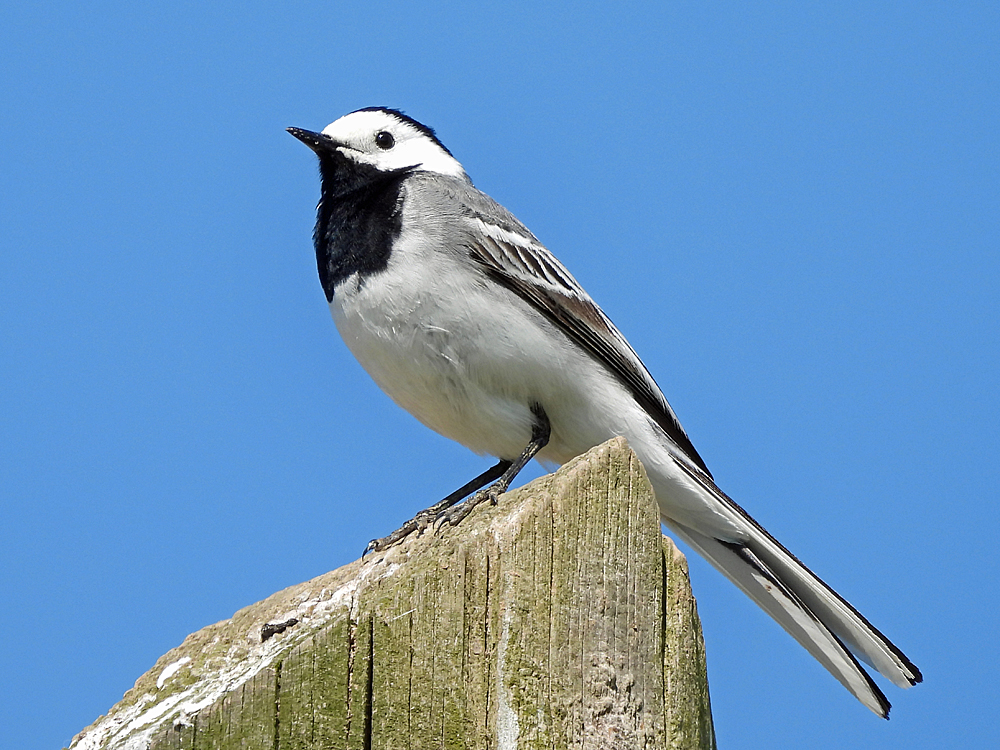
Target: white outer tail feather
pixel 807 608
pixel 789 612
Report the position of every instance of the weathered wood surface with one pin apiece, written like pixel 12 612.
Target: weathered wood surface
pixel 559 618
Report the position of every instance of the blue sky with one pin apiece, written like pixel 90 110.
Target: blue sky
pixel 791 213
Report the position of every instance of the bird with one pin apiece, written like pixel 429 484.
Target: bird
pixel 467 321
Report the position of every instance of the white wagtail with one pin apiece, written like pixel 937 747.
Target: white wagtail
pixel 464 318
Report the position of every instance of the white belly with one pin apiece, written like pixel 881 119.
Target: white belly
pixel 470 366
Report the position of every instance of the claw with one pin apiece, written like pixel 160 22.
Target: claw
pixel 456 514
pixel 446 511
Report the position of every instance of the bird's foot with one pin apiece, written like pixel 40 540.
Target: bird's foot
pixel 454 515
pixel 418 523
pixel 442 512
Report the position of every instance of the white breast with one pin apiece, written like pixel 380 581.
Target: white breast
pixel 468 360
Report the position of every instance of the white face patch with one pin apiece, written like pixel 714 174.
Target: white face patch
pixel 361 133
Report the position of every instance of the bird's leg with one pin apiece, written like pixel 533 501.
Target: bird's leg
pixel 424 517
pixel 540 433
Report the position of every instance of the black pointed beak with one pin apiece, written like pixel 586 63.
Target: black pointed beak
pixel 318 142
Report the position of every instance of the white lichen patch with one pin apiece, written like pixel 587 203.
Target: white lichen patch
pixel 508 727
pixel 222 657
pixel 170 671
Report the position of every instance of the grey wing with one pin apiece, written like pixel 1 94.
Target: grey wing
pixel 511 255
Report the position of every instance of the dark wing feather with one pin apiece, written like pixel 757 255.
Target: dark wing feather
pixel 513 257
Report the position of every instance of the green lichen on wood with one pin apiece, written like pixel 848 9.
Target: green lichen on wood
pixel 314 677
pixel 559 618
pixel 687 709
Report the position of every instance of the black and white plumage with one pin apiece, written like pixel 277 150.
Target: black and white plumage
pixel 469 323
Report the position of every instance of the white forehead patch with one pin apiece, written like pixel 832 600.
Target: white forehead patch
pixel 412 147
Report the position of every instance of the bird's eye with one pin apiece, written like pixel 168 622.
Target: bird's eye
pixel 384 140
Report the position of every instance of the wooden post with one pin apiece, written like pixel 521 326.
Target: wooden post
pixel 559 618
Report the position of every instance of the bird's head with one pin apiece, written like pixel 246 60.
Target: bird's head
pixel 383 139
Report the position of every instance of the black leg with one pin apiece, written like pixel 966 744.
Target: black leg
pixel 424 517
pixel 540 433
